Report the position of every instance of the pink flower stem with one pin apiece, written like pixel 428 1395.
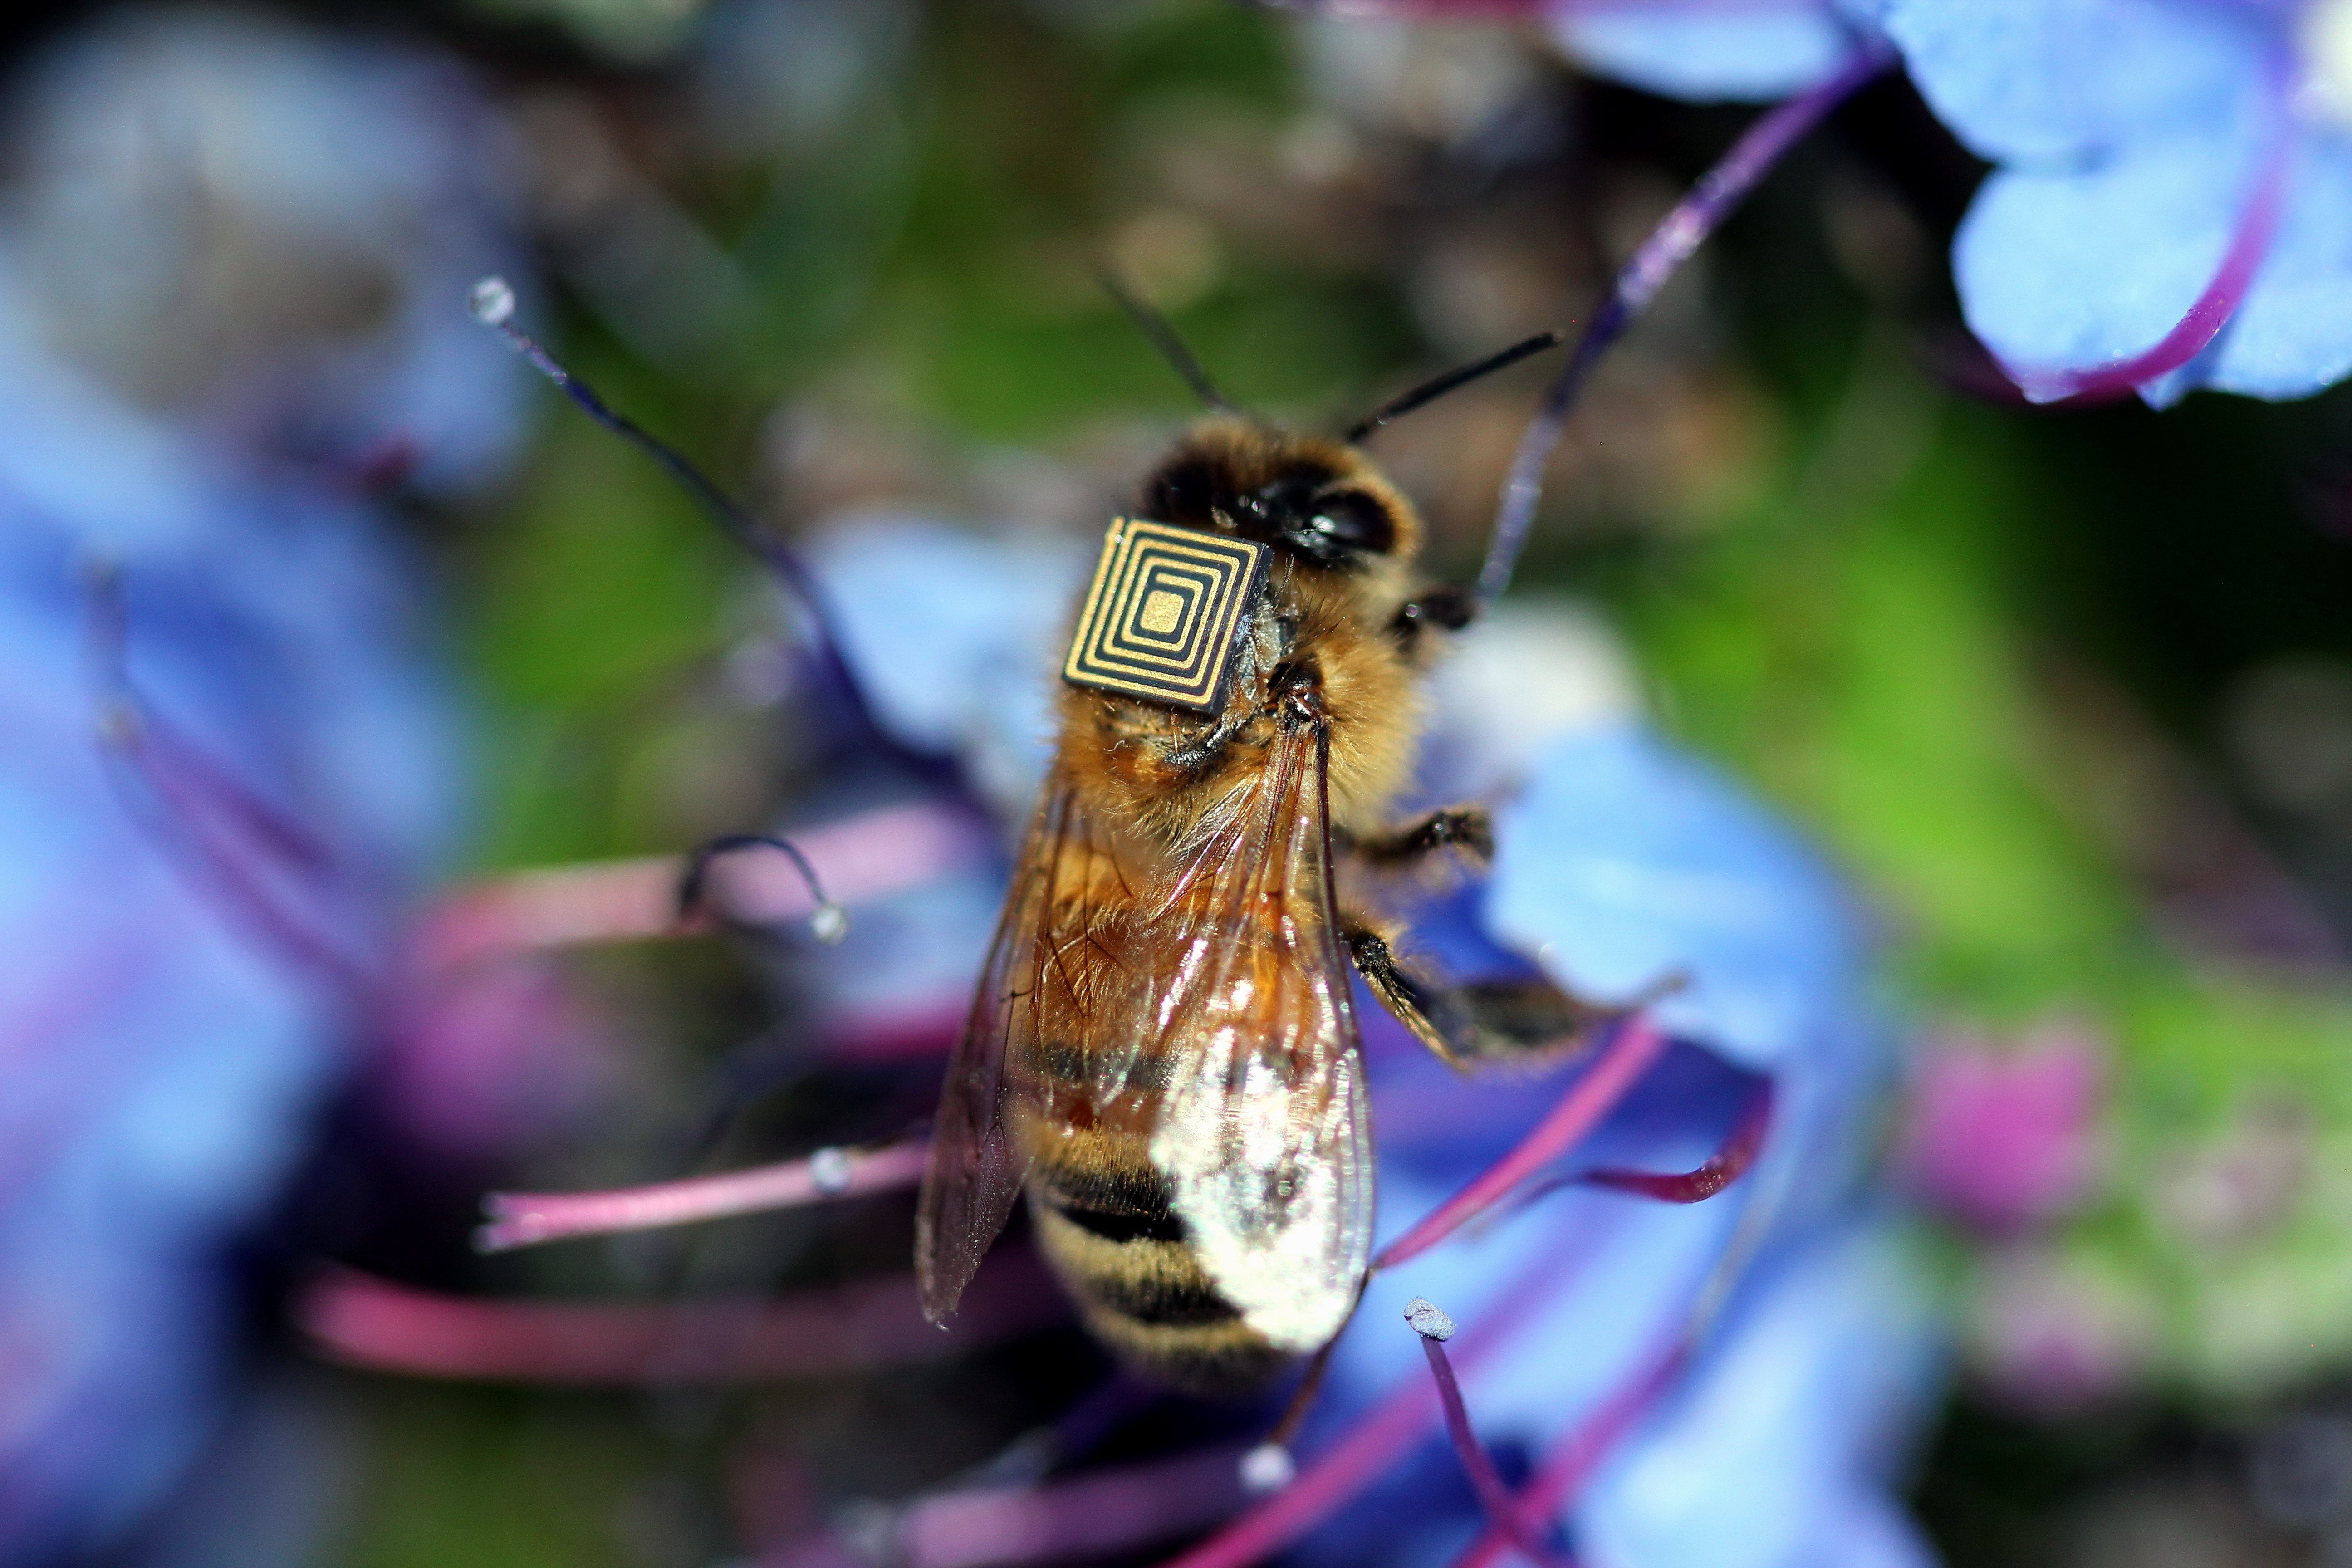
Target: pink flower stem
pixel 1633 1046
pixel 1718 193
pixel 1727 1166
pixel 235 849
pixel 359 1321
pixel 1374 1443
pixel 1502 1510
pixel 869 856
pixel 527 1219
pixel 1730 1162
pixel 1573 1460
pixel 2250 244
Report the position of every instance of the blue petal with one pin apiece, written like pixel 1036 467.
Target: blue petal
pixel 1559 1306
pixel 955 635
pixel 345 152
pixel 2293 335
pixel 1707 52
pixel 2069 268
pixel 1777 1452
pixel 1627 862
pixel 2054 80
pixel 1538 666
pixel 164 1065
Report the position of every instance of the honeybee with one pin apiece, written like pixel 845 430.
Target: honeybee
pixel 1162 1049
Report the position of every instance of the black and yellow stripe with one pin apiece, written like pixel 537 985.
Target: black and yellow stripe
pixel 1103 1219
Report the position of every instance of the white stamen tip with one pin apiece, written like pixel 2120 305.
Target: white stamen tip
pixel 492 302
pixel 830 1169
pixel 1428 1319
pixel 1268 1467
pixel 829 923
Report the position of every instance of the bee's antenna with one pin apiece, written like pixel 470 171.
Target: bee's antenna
pixel 1163 337
pixel 1429 391
pixel 492 302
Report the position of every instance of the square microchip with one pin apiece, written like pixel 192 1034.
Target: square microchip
pixel 1166 609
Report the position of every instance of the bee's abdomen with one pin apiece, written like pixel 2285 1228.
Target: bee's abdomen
pixel 1104 1221
pixel 1147 1298
pixel 1117 1204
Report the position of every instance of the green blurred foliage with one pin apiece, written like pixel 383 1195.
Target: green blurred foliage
pixel 1869 660
pixel 930 251
pixel 1857 662
pixel 470 1477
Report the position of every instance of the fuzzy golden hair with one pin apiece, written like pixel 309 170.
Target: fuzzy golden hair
pixel 1162 772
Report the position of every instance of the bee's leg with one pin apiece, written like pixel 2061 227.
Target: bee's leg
pixel 1465 829
pixel 1416 1005
pixel 1482 1023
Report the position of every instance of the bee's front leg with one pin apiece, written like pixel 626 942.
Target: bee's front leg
pixel 1463 828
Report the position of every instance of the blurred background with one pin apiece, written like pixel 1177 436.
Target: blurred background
pixel 2067 695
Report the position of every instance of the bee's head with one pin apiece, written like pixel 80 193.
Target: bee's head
pixel 1317 501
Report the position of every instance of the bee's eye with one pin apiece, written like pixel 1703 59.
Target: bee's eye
pixel 1286 497
pixel 1357 520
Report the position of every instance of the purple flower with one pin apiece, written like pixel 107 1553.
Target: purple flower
pixel 193 909
pixel 2171 202
pixel 1766 1350
pixel 2006 1137
pixel 2171 205
pixel 1801 1343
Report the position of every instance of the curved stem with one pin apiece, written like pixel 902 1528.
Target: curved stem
pixel 2250 244
pixel 1628 1052
pixel 1724 1166
pixel 1574 1459
pixel 493 306
pixel 1693 218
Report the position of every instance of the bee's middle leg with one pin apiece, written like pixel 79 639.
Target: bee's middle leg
pixel 1528 1021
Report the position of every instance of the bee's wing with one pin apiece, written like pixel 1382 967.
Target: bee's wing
pixel 976 1169
pixel 1262 1133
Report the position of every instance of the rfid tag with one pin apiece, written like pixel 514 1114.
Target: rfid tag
pixel 1165 613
